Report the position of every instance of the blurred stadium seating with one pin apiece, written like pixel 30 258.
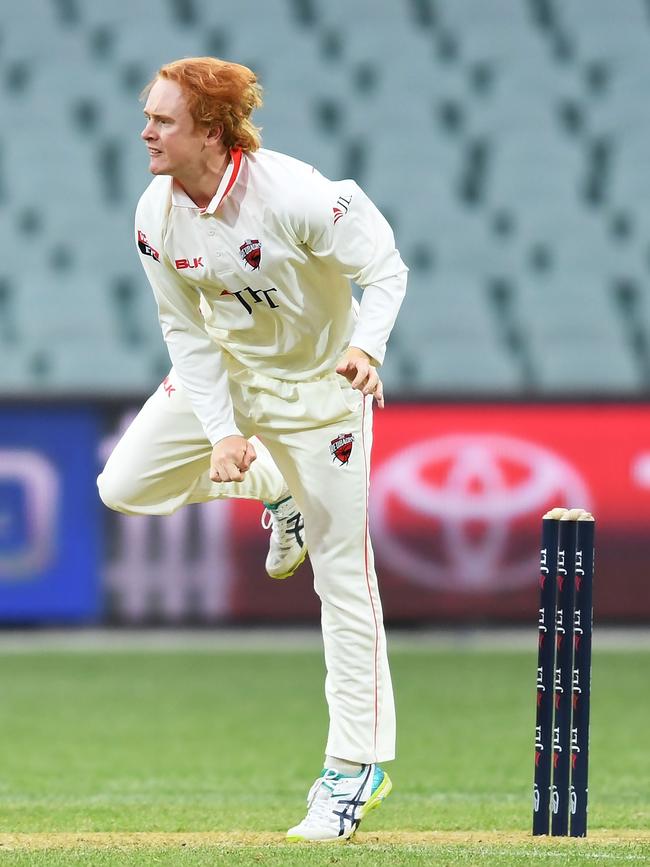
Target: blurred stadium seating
pixel 509 147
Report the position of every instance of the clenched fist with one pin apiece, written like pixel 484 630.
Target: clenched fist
pixel 231 458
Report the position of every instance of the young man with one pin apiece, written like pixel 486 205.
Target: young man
pixel 250 254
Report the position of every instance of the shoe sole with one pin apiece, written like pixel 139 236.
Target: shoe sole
pixel 290 572
pixel 383 791
pixel 374 801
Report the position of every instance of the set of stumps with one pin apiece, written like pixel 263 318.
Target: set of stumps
pixel 564 673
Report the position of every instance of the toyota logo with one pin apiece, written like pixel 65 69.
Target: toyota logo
pixel 462 512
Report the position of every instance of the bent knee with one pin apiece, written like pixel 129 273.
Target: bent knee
pixel 124 494
pixel 115 495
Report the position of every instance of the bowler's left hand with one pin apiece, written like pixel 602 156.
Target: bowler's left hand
pixel 357 367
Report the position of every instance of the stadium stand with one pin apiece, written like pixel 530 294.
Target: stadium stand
pixel 506 141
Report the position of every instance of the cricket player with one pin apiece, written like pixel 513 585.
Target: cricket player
pixel 250 255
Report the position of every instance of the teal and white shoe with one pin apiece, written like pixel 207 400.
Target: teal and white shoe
pixel 336 804
pixel 287 548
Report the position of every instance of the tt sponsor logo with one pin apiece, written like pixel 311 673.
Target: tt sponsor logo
pixel 575 749
pixel 341 207
pixel 247 297
pixel 579 570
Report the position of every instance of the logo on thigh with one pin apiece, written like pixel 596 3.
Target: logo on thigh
pixel 341 448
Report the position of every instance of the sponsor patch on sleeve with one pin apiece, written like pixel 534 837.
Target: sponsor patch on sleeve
pixel 145 247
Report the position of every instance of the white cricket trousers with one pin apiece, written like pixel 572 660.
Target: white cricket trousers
pixel 316 438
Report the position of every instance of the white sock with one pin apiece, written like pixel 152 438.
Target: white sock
pixel 348 769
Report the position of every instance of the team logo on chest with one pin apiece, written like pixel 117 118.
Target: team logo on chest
pixel 341 448
pixel 251 253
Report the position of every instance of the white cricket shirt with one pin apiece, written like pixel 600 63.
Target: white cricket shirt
pixel 263 273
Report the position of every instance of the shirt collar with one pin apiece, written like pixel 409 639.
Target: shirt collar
pixel 182 200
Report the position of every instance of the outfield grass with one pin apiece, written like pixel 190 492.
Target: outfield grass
pixel 187 744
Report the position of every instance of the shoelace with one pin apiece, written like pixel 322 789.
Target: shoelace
pixel 267 519
pixel 319 806
pixel 330 775
pixel 278 523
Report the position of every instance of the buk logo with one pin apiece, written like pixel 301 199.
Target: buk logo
pixel 461 512
pixel 168 386
pixel 196 262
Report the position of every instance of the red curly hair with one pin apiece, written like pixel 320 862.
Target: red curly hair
pixel 219 94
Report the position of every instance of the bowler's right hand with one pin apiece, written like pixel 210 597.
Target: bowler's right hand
pixel 231 458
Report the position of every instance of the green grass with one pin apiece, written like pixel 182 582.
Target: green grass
pixel 352 854
pixel 230 741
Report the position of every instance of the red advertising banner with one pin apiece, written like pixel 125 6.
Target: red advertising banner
pixel 457 496
pixel 459 493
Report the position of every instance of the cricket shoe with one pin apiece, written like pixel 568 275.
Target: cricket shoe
pixel 287 547
pixel 336 804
